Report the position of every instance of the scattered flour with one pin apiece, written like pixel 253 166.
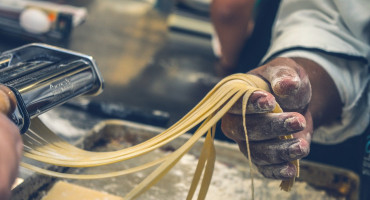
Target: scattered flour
pixel 228 182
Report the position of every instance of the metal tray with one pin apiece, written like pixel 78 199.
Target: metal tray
pixel 231 178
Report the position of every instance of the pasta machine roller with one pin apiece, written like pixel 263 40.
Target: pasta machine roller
pixel 43 77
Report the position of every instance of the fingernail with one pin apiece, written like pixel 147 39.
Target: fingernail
pixel 296 150
pixel 265 103
pixel 287 172
pixel 294 124
pixel 285 86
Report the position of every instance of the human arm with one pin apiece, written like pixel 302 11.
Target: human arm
pixel 233 23
pixel 322 31
pixel 296 83
pixel 10 144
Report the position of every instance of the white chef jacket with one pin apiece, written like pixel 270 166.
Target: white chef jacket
pixel 336 35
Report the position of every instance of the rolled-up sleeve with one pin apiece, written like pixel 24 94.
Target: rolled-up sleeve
pixel 337 38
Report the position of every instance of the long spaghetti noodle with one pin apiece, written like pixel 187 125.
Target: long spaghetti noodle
pixel 43 145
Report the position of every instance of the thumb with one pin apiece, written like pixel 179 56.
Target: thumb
pixel 289 83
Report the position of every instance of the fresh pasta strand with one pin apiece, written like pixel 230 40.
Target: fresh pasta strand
pixel 42 145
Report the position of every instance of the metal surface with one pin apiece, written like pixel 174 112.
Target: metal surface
pixel 44 77
pixel 231 178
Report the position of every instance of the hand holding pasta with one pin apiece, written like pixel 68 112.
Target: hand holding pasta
pixel 292 90
pixel 241 100
pixel 10 144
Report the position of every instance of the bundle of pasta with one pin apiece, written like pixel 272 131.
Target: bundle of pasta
pixel 43 145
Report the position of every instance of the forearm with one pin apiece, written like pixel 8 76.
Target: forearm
pixel 231 20
pixel 325 105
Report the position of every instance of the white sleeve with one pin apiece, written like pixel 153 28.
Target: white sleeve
pixel 336 35
pixel 323 25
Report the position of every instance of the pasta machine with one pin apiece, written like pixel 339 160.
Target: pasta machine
pixel 43 77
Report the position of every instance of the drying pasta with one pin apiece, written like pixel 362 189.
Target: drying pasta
pixel 42 145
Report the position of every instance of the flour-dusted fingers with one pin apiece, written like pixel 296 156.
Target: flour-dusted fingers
pixel 276 151
pixel 289 82
pixel 262 126
pixel 259 102
pixel 281 171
